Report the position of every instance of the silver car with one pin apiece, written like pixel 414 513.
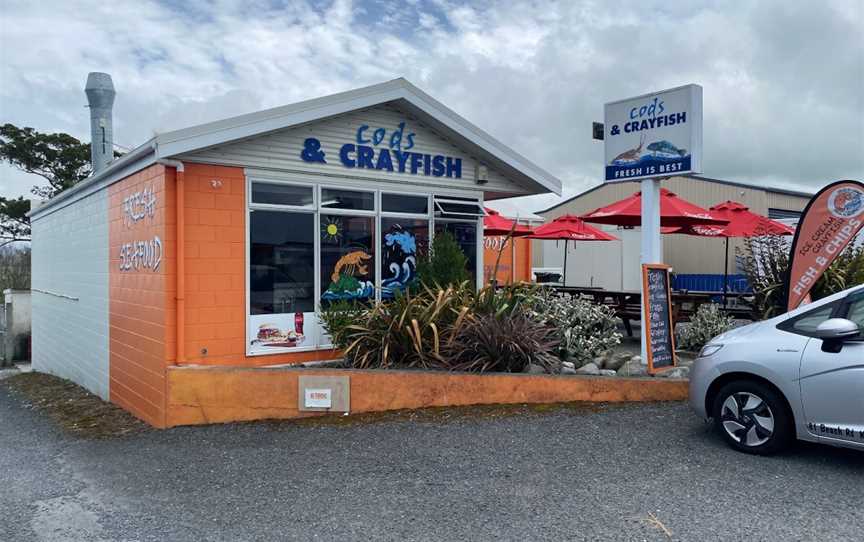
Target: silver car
pixel 800 375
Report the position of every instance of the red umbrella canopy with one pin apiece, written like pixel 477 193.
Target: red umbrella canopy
pixel 495 224
pixel 572 228
pixel 742 223
pixel 674 212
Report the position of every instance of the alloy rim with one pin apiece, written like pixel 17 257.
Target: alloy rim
pixel 747 418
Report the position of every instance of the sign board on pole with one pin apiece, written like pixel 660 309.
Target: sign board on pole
pixel 657 315
pixel 654 135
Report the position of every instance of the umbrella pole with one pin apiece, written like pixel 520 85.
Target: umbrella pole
pixel 564 271
pixel 726 273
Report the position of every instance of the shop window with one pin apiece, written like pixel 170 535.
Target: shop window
pixel 347 258
pixel 281 280
pixel 458 208
pixel 282 194
pixel 465 234
pixel 403 242
pixel 402 203
pixel 347 199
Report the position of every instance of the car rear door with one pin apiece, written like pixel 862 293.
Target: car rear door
pixel 832 384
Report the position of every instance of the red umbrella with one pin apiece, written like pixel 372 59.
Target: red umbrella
pixel 495 224
pixel 742 223
pixel 570 228
pixel 674 211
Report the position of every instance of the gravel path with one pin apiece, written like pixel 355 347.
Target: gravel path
pixel 560 475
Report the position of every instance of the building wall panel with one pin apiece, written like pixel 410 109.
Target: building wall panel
pixel 70 293
pixel 281 151
pixel 141 209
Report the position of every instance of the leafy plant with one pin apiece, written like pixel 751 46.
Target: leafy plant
pixel 336 318
pixel 582 328
pixel 445 265
pixel 708 322
pixel 500 343
pixel 15 268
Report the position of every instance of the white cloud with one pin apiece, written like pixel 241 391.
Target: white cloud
pixel 784 81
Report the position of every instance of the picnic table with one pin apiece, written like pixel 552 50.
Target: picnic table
pixel 628 303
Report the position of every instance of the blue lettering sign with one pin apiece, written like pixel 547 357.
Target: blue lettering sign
pixel 312 151
pixel 347 161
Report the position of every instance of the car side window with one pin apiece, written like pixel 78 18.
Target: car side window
pixel 807 323
pixel 856 313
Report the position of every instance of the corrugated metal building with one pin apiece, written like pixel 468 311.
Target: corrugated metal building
pixel 615 265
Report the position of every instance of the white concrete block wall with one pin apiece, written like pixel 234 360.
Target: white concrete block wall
pixel 70 293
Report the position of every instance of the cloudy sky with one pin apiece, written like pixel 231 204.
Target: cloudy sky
pixel 783 81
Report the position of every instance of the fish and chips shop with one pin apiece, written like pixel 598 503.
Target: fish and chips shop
pixel 216 245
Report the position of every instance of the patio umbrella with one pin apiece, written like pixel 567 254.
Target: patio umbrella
pixel 674 212
pixel 494 224
pixel 742 223
pixel 570 228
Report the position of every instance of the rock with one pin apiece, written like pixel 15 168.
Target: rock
pixel 568 370
pixel 617 361
pixel 633 367
pixel 602 359
pixel 568 365
pixel 533 369
pixel 607 372
pixel 637 359
pixel 588 369
pixel 677 372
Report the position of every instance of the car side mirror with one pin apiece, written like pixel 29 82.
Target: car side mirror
pixel 837 329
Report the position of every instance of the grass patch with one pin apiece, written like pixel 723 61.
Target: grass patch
pixel 73 408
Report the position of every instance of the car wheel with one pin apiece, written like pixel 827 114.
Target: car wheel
pixel 753 418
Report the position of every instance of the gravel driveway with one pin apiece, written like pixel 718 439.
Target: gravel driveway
pixel 561 475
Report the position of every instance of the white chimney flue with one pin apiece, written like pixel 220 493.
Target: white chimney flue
pixel 100 96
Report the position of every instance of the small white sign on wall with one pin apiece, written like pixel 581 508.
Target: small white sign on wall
pixel 318 398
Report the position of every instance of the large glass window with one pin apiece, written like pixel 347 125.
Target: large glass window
pixel 402 203
pixel 281 262
pixel 403 242
pixel 347 258
pixel 282 194
pixel 347 199
pixel 465 234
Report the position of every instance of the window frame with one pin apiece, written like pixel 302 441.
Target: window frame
pixel 317 185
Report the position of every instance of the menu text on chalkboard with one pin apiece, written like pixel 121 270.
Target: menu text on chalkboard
pixel 657 311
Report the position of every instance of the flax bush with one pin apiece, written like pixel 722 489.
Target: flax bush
pixel 708 322
pixel 583 329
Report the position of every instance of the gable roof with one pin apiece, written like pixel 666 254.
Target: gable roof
pixel 430 111
pixel 698 178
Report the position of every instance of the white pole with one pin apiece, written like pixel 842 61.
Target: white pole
pixel 652 248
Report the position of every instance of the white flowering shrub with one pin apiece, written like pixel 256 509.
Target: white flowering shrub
pixel 708 322
pixel 584 328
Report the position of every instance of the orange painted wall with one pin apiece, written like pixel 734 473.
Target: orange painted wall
pixel 224 394
pixel 216 271
pixel 141 305
pixel 508 271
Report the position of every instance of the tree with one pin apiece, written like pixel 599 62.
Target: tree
pixel 59 158
pixel 446 263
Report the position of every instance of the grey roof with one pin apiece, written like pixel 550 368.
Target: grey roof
pixel 697 177
pixel 433 113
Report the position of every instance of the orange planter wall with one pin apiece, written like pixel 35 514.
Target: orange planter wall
pixel 223 394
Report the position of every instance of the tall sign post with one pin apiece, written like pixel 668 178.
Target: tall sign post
pixel 648 138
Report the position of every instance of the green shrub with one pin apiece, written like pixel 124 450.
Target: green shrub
pixel 500 343
pixel 708 322
pixel 583 329
pixel 445 265
pixel 336 318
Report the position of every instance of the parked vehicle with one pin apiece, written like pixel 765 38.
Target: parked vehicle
pixel 799 375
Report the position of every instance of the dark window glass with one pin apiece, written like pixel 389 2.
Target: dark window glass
pixel 347 258
pixel 807 323
pixel 400 203
pixel 282 194
pixel 281 262
pixel 403 242
pixel 461 210
pixel 856 313
pixel 465 234
pixel 347 199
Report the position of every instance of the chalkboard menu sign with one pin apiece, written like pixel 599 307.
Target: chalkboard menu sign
pixel 657 303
